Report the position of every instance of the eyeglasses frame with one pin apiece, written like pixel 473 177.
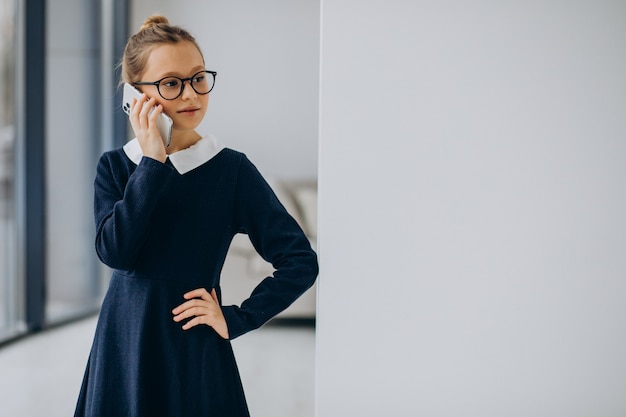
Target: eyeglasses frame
pixel 182 83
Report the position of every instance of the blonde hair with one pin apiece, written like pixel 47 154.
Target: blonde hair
pixel 156 30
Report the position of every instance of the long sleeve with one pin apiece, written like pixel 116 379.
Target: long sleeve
pixel 123 205
pixel 279 240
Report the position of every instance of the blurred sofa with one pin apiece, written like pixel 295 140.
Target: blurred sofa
pixel 244 268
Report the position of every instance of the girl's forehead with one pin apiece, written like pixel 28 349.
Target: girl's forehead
pixel 173 58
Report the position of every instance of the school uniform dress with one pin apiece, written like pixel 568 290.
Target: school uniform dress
pixel 165 229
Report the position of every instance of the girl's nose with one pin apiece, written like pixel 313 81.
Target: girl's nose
pixel 188 91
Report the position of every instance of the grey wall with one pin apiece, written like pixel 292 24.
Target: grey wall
pixel 471 220
pixel 266 53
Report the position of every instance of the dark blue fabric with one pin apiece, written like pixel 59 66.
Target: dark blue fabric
pixel 165 234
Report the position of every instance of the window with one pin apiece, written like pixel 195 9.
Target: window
pixel 51 134
pixel 9 282
pixel 73 135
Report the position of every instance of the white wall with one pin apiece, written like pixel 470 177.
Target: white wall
pixel 266 53
pixel 472 186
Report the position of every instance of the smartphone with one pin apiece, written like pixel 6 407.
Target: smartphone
pixel 164 122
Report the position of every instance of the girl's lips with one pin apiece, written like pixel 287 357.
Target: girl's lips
pixel 189 110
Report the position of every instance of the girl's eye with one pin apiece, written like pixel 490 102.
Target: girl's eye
pixel 170 83
pixel 199 79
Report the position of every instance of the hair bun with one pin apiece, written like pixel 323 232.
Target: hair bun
pixel 153 21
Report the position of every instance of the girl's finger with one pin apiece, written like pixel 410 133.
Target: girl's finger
pixel 145 109
pixel 153 116
pixel 198 293
pixel 196 311
pixel 135 105
pixel 195 303
pixel 192 323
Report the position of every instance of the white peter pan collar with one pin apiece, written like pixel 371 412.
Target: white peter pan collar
pixel 184 160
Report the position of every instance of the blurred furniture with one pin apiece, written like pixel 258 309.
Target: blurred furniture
pixel 6 156
pixel 244 268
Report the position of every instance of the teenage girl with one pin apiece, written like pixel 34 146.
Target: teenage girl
pixel 165 217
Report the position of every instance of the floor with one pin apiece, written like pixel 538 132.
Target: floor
pixel 41 375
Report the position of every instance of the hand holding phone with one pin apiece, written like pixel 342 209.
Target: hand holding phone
pixel 164 122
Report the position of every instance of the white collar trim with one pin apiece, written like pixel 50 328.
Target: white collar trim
pixel 184 160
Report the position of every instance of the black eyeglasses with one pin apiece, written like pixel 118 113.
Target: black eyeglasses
pixel 170 88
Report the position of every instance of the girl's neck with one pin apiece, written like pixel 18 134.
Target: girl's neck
pixel 182 140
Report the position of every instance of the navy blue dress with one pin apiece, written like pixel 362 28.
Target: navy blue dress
pixel 165 233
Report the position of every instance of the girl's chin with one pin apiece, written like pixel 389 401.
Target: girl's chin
pixel 183 125
pixel 188 120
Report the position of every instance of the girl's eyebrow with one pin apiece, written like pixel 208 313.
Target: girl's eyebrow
pixel 178 74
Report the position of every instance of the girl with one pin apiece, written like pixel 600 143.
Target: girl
pixel 165 218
